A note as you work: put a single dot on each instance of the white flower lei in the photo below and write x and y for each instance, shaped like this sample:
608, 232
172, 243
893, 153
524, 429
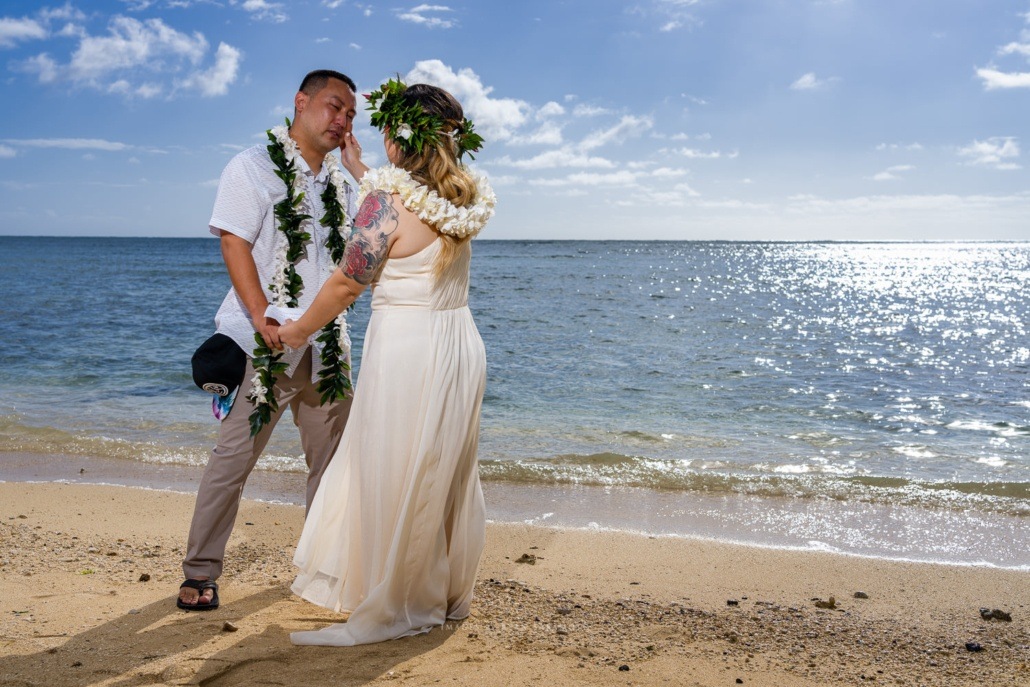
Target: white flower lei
278, 285
440, 213
261, 394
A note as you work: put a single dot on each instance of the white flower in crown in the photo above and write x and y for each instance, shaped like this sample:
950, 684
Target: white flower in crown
404, 131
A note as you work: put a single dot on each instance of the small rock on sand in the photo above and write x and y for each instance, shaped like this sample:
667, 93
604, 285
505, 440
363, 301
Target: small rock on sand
176, 674
995, 614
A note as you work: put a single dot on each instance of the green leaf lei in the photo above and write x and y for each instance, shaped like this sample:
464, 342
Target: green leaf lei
412, 127
334, 383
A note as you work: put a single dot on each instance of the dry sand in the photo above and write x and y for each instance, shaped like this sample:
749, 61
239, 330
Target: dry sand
591, 609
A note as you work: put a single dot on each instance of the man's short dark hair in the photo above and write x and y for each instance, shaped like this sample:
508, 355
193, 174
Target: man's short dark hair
316, 81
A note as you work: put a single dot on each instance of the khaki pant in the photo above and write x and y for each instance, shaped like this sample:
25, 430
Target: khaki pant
218, 497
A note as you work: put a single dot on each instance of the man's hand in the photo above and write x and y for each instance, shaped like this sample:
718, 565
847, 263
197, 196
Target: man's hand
269, 331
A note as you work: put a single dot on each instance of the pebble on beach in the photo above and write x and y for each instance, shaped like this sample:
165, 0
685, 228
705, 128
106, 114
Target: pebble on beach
995, 614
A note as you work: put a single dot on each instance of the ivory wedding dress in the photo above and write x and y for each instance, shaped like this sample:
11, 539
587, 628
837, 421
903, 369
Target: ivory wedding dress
397, 526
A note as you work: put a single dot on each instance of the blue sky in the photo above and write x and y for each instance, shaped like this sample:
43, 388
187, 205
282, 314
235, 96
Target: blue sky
656, 119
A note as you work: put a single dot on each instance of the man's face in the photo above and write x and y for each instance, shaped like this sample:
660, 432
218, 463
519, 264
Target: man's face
326, 116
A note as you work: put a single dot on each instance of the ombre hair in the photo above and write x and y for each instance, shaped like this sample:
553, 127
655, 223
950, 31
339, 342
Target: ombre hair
437, 166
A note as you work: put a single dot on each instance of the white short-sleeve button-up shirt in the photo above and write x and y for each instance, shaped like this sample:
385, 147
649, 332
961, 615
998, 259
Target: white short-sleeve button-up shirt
245, 206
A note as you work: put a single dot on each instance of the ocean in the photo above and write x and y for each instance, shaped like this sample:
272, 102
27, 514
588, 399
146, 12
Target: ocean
862, 398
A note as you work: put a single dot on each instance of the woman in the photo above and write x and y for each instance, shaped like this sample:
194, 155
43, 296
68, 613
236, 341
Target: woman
395, 532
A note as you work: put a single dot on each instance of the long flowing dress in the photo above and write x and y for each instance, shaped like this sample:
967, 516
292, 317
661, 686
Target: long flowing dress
396, 529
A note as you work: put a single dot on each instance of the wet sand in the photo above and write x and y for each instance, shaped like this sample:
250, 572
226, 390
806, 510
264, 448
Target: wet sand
88, 576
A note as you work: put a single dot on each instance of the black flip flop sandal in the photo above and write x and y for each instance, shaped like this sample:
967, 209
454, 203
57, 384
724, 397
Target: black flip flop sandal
200, 586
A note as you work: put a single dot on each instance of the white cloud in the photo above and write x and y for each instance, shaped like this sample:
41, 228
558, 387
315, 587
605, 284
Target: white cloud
421, 15
65, 13
673, 13
496, 118
216, 79
130, 44
68, 143
7, 151
43, 65
355, 46
130, 59
14, 30
148, 90
621, 178
810, 82
557, 158
323, 39
899, 146
549, 133
993, 79
262, 10
550, 109
695, 154
589, 111
628, 126
70, 30
332, 4
887, 204
684, 187
998, 152
891, 173
1015, 49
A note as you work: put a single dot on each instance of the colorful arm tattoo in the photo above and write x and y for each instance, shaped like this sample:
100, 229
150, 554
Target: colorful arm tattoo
369, 242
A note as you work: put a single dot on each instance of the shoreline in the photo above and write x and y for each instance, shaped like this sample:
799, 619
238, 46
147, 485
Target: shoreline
74, 610
864, 530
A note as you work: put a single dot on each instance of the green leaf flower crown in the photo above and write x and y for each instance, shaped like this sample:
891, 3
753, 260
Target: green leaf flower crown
412, 127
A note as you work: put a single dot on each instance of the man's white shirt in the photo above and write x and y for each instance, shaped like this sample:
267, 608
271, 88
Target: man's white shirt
245, 207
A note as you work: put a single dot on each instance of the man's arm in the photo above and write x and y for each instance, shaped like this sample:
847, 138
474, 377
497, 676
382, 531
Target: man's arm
245, 280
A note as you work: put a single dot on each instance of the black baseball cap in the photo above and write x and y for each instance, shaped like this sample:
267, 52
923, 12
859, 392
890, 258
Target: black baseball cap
218, 365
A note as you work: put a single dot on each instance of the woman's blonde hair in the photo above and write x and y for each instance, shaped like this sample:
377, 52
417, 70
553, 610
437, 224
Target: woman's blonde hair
437, 165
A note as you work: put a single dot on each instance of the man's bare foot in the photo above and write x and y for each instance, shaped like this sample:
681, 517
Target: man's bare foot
198, 594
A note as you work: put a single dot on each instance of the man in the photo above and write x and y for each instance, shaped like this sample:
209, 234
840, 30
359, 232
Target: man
245, 220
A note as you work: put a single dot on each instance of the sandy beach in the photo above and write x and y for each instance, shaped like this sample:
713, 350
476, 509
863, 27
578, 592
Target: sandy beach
88, 576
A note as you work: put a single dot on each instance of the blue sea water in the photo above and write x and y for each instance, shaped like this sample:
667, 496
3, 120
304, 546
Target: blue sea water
667, 379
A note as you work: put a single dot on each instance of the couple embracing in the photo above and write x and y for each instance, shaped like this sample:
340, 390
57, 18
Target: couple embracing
395, 520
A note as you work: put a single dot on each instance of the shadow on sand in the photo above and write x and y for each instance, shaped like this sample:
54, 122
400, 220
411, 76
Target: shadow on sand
162, 645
